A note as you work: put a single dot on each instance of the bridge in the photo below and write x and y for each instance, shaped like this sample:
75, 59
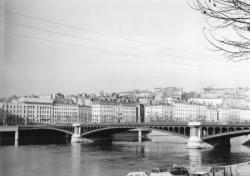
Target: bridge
198, 134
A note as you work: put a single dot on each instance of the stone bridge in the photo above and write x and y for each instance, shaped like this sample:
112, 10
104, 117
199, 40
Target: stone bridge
198, 134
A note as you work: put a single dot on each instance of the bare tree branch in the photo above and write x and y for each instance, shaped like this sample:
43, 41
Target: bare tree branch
225, 17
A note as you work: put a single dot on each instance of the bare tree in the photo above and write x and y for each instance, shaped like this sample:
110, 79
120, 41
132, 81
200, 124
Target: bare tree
228, 26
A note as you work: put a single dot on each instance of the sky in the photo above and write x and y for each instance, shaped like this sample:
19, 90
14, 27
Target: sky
80, 46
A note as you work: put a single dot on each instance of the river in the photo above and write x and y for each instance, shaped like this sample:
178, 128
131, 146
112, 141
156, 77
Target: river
111, 159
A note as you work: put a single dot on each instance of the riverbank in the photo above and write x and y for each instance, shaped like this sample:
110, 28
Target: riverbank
241, 169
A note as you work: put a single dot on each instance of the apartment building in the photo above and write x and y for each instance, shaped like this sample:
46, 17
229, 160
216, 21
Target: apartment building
85, 114
156, 113
112, 112
27, 111
189, 112
226, 114
212, 115
244, 115
128, 113
65, 113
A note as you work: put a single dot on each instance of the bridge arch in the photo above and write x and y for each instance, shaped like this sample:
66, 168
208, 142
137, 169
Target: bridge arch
107, 131
182, 130
104, 131
211, 131
217, 130
228, 135
187, 131
224, 130
238, 129
165, 128
66, 131
171, 129
176, 129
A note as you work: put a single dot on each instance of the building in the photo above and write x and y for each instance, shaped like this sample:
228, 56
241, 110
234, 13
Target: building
128, 113
207, 101
83, 99
140, 113
13, 113
158, 113
210, 92
36, 110
43, 111
2, 113
244, 115
211, 115
226, 114
27, 111
145, 101
85, 114
189, 112
65, 113
237, 103
113, 112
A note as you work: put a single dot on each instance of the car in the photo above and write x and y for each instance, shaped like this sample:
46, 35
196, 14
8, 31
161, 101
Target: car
160, 172
180, 171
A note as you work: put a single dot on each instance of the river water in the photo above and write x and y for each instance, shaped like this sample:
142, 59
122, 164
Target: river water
111, 159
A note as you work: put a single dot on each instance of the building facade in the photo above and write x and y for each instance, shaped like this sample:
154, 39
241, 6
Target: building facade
112, 112
211, 115
27, 111
65, 113
226, 114
189, 112
128, 113
1, 113
158, 113
35, 111
244, 115
85, 114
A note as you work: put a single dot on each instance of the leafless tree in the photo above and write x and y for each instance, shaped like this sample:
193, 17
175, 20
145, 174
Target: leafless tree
228, 27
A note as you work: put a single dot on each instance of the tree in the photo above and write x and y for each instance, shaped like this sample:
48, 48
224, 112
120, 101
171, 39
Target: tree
228, 26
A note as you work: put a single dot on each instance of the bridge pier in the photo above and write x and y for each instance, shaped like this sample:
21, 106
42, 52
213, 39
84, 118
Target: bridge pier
16, 137
139, 135
195, 140
76, 137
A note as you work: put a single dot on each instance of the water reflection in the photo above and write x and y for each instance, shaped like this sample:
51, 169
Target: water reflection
195, 157
76, 158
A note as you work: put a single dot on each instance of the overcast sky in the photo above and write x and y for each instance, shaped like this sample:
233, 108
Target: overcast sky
79, 46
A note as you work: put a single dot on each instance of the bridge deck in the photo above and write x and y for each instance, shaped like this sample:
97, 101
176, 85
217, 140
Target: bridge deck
8, 128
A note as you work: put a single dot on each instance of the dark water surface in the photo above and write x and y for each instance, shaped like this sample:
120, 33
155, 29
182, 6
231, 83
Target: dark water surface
110, 159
